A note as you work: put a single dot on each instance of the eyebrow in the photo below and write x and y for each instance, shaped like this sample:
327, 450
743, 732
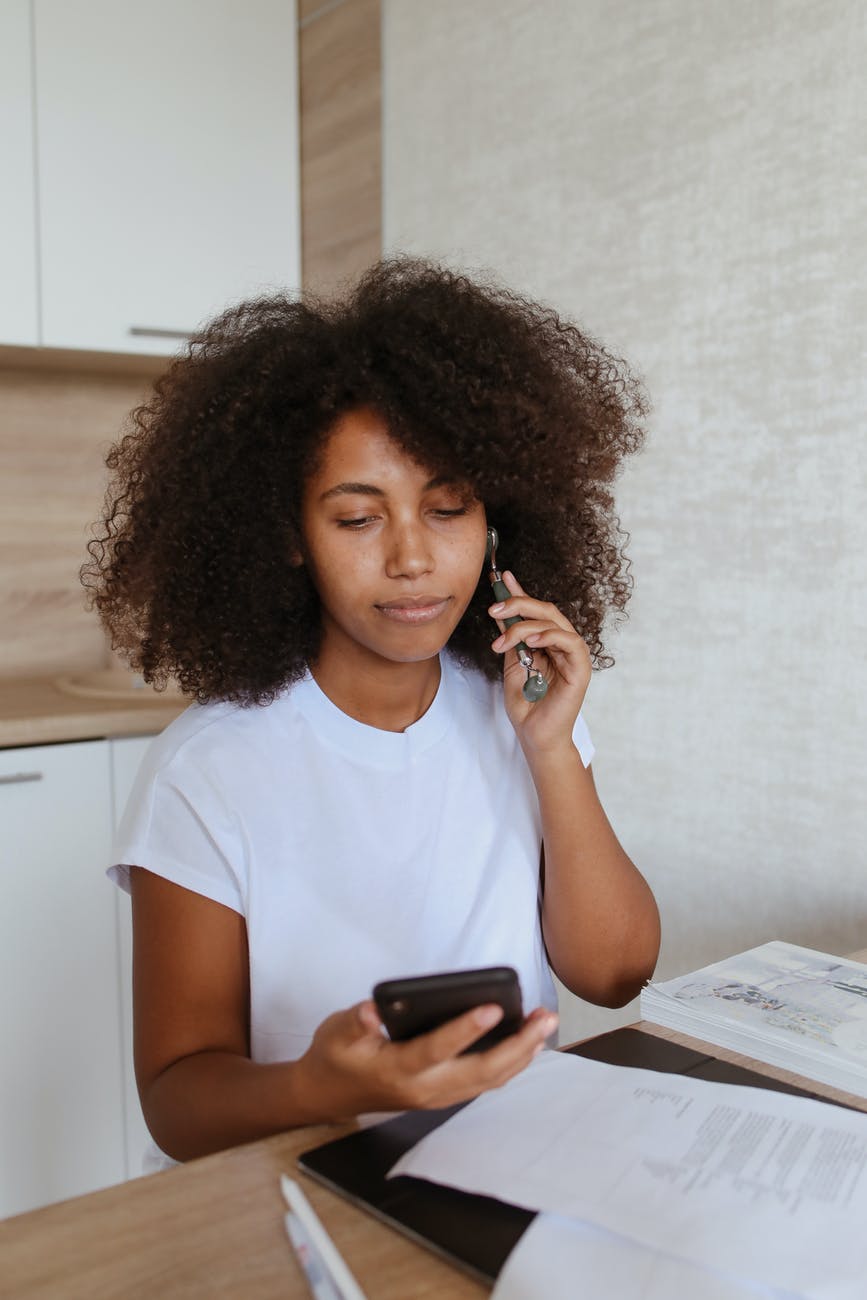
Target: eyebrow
370, 490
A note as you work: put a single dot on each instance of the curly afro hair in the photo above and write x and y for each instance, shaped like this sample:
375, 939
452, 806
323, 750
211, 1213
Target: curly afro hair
190, 565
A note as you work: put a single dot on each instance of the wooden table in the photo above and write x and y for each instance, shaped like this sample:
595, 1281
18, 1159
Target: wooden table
214, 1228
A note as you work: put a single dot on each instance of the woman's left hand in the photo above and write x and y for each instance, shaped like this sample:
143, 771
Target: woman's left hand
559, 654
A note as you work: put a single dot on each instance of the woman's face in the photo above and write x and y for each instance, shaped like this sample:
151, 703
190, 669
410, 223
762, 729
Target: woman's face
395, 555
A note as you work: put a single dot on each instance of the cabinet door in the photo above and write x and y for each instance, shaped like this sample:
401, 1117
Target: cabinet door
168, 164
126, 757
61, 1113
18, 299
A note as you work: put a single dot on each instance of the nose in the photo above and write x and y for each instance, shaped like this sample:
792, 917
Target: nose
409, 553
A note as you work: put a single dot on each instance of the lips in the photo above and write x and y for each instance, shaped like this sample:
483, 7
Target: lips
414, 609
413, 602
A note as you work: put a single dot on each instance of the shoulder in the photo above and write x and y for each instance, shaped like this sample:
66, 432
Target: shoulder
476, 700
194, 731
205, 736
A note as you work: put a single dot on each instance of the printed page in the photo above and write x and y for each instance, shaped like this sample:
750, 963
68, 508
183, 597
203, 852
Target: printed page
562, 1258
811, 999
743, 1181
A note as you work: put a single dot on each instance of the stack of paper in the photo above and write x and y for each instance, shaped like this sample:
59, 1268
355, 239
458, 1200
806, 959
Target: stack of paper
712, 1189
791, 1007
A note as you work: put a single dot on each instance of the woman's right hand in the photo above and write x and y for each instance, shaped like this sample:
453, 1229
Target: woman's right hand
351, 1067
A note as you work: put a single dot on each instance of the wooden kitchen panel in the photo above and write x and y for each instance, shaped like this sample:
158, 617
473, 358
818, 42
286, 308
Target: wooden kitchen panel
341, 141
81, 362
55, 429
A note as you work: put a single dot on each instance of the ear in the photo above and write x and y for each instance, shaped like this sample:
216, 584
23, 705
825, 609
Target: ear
295, 545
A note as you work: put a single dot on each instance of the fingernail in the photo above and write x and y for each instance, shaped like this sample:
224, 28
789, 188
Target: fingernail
369, 1016
532, 638
548, 1024
497, 609
487, 1017
495, 645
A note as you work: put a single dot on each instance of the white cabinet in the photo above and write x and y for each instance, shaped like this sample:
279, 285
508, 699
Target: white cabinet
61, 1074
70, 1120
126, 757
166, 155
18, 278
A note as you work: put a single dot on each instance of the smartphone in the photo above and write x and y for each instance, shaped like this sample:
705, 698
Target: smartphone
416, 1005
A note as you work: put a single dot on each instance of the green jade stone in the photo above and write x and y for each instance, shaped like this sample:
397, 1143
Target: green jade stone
534, 687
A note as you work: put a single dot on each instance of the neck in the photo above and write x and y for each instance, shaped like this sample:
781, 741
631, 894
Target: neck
378, 692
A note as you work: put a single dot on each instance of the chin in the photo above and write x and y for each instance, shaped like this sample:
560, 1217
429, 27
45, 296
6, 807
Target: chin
415, 657
417, 653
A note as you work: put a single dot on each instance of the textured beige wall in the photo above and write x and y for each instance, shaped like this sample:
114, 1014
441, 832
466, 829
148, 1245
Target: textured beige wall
688, 179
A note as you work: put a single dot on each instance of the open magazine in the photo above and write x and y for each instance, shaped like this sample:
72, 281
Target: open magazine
788, 1006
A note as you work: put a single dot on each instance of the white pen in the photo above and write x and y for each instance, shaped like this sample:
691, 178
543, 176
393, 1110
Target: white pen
344, 1284
318, 1277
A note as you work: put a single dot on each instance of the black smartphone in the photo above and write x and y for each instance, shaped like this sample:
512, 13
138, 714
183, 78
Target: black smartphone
416, 1005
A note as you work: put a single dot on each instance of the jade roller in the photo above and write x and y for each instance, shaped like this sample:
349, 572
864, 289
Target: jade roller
535, 686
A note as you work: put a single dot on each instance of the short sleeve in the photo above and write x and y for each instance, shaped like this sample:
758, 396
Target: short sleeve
582, 741
177, 828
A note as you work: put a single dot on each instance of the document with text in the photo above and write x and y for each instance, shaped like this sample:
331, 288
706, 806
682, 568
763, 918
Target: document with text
748, 1182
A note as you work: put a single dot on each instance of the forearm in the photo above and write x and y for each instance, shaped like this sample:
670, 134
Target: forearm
599, 918
213, 1100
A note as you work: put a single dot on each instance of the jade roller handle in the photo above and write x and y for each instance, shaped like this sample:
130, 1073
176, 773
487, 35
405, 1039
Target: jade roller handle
535, 686
501, 591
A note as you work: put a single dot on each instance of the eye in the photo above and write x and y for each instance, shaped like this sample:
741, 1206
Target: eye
356, 523
449, 514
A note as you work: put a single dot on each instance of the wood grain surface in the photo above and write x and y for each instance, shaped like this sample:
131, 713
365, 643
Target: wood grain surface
341, 141
211, 1228
35, 711
55, 428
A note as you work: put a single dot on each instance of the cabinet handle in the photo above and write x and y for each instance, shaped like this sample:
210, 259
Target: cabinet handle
146, 332
18, 778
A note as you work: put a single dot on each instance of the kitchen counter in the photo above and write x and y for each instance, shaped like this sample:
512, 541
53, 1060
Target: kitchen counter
39, 711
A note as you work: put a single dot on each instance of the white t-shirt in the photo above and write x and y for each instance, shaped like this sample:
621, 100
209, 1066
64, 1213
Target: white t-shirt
354, 854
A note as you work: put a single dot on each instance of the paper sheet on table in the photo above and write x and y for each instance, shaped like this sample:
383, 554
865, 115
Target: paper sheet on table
562, 1258
745, 1181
